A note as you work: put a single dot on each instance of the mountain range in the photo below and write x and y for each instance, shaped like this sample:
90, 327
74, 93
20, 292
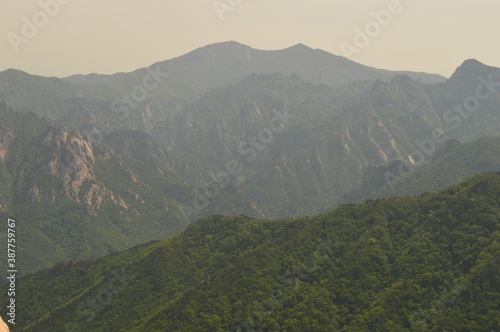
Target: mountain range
93, 164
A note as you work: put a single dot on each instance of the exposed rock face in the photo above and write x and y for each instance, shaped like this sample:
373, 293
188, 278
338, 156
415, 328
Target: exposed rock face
6, 137
71, 159
81, 197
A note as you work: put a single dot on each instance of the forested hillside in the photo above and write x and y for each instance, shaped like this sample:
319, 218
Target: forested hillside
75, 199
451, 164
428, 263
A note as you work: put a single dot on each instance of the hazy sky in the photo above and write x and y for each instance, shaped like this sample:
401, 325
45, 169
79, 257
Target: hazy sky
108, 36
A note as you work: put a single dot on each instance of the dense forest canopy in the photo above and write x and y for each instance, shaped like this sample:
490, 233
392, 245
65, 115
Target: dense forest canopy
427, 263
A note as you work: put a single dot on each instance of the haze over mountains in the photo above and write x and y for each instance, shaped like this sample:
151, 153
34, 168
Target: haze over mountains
222, 64
111, 161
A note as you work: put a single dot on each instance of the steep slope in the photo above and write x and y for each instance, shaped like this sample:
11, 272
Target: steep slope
412, 264
301, 146
305, 165
74, 199
455, 163
469, 102
468, 107
211, 113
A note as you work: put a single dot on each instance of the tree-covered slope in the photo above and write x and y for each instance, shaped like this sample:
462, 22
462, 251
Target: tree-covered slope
75, 199
428, 263
451, 164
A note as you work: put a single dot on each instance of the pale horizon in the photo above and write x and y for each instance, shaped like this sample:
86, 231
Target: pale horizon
76, 37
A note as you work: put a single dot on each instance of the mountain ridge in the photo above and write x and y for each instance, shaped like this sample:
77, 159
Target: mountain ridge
77, 199
235, 47
301, 168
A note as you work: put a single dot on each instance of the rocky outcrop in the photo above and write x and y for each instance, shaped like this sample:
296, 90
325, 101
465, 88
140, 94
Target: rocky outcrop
6, 138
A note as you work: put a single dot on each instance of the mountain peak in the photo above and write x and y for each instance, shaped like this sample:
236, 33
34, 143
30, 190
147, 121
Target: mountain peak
13, 71
402, 79
226, 45
300, 45
471, 63
298, 48
470, 67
